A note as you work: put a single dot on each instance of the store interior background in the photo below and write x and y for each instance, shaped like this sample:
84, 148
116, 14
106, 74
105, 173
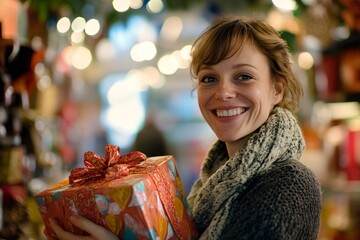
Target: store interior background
77, 75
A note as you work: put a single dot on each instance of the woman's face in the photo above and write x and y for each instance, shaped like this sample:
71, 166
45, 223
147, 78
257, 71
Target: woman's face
237, 95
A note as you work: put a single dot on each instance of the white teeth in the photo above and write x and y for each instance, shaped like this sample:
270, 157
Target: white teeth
230, 112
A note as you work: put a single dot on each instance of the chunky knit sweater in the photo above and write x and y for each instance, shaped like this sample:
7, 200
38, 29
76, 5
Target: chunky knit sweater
262, 192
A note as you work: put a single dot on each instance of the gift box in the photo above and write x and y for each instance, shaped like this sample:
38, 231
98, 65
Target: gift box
133, 196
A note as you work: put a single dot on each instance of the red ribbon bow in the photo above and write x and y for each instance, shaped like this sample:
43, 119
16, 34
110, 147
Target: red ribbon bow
111, 167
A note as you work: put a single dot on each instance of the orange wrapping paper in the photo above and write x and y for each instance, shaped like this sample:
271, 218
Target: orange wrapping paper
131, 206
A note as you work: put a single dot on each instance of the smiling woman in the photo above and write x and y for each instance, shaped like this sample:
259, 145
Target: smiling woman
251, 184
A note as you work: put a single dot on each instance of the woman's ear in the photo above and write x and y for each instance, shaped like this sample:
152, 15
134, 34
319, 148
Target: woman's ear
278, 91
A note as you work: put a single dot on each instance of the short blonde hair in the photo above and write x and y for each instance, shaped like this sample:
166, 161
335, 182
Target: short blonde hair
226, 35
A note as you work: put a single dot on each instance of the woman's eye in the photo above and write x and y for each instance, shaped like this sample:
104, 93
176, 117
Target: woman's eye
244, 77
208, 80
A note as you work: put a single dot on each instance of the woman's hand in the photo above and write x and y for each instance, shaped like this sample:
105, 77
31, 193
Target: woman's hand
96, 232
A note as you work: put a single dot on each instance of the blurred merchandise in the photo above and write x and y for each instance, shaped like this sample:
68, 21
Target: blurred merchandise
1, 210
341, 211
20, 145
11, 164
351, 154
15, 216
341, 63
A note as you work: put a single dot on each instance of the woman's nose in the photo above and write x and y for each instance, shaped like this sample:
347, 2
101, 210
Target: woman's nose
225, 90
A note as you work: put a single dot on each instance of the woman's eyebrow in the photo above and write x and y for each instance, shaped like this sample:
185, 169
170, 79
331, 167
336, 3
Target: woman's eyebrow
239, 65
205, 67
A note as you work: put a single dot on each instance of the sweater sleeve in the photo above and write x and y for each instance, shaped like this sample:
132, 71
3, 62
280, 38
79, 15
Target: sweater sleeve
284, 203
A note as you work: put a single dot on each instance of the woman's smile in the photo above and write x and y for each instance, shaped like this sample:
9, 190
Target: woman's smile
223, 113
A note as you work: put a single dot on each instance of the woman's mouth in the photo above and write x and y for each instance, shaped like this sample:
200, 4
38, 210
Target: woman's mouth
229, 112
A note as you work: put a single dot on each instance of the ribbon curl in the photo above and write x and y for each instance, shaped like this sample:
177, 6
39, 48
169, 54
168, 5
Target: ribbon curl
111, 167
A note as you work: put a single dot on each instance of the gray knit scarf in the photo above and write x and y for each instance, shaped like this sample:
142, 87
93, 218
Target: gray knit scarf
278, 139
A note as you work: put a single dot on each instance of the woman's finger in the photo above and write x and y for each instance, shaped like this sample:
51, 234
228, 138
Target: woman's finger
96, 231
64, 235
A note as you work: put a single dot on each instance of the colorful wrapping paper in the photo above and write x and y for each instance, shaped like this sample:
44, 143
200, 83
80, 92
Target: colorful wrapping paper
145, 202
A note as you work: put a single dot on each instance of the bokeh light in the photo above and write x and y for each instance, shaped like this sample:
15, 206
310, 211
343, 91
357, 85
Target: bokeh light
63, 25
78, 24
143, 51
305, 60
155, 6
285, 5
121, 5
136, 4
168, 64
105, 50
77, 37
81, 58
171, 28
92, 27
